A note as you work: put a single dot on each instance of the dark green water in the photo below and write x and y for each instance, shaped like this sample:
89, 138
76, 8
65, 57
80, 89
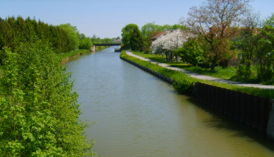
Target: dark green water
134, 114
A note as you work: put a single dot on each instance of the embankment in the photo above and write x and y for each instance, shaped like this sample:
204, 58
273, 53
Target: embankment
67, 57
247, 106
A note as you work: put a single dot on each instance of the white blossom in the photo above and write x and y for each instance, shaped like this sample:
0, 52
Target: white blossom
170, 40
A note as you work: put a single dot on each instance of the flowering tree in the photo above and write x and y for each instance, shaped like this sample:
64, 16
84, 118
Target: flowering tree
170, 41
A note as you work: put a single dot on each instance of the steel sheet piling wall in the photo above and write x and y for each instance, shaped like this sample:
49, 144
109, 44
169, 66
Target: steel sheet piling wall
247, 109
252, 111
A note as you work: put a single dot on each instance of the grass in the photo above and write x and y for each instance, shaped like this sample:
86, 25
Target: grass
66, 57
228, 73
183, 81
73, 53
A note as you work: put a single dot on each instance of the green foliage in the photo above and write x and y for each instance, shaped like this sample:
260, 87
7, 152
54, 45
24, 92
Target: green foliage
183, 85
14, 31
132, 38
39, 112
192, 52
270, 21
73, 37
183, 82
265, 53
85, 42
151, 29
247, 44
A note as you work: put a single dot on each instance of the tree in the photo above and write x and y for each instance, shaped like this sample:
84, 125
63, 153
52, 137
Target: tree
132, 38
270, 21
72, 35
85, 42
216, 21
170, 41
265, 51
247, 44
14, 31
151, 29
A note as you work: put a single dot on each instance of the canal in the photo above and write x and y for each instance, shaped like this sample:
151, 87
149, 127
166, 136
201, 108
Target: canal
133, 114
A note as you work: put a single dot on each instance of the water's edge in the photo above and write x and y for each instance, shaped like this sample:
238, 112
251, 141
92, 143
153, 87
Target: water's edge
263, 126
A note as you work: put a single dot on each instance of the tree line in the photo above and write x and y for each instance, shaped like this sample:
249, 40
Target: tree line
224, 33
140, 40
62, 38
39, 113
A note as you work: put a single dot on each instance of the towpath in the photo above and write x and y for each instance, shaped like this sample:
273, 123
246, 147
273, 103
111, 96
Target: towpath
201, 77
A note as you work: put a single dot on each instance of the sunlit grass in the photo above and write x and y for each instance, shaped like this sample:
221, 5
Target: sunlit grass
180, 77
73, 53
227, 73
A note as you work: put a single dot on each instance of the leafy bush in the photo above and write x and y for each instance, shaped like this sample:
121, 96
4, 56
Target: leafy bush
85, 42
192, 52
39, 112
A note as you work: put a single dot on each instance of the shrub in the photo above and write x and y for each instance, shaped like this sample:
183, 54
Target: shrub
192, 52
39, 112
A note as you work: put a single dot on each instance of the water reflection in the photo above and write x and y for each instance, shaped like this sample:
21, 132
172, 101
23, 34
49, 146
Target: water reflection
138, 115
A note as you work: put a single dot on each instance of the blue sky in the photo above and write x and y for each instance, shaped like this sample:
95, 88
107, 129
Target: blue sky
105, 18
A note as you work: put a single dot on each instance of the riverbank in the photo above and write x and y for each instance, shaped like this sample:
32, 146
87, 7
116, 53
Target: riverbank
245, 105
228, 74
67, 57
182, 81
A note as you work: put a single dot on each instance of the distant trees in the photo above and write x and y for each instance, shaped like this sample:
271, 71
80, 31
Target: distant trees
85, 42
151, 29
132, 38
63, 38
14, 31
73, 36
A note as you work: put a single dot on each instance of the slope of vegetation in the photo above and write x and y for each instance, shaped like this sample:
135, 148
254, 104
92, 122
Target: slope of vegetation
38, 108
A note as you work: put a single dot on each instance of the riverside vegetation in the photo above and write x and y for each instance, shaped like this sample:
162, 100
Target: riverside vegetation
184, 83
38, 109
232, 44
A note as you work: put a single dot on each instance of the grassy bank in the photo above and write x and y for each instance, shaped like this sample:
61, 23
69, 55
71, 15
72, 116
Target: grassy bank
228, 73
183, 82
66, 57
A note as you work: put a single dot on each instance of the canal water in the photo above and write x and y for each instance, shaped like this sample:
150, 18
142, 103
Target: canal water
133, 114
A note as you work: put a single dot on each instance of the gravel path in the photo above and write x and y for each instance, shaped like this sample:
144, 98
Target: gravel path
202, 77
